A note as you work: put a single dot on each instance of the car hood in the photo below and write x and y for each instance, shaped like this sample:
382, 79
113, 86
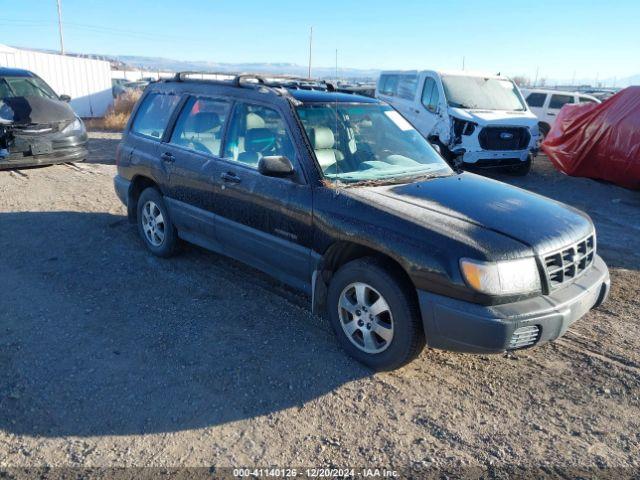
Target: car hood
34, 110
495, 117
536, 221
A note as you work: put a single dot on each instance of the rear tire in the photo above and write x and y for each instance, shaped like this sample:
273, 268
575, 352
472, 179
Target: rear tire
380, 326
154, 224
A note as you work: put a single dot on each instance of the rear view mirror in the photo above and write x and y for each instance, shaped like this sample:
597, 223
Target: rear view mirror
437, 148
275, 166
65, 98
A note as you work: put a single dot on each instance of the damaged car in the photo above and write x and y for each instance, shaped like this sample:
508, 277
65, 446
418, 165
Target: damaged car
339, 196
474, 119
37, 127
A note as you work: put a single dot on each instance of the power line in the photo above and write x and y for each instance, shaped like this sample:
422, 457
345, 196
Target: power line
97, 29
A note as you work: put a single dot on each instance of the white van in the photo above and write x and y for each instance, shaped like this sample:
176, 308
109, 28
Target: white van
546, 104
474, 118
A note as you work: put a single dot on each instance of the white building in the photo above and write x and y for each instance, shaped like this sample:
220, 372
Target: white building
86, 81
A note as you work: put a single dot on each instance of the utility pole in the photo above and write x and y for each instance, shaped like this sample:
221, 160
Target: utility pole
535, 81
310, 45
463, 62
60, 27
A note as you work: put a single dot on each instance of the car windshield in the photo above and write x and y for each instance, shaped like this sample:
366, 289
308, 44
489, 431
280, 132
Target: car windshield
482, 93
25, 87
367, 142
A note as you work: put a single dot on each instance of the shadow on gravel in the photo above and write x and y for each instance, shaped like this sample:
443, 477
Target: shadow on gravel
97, 337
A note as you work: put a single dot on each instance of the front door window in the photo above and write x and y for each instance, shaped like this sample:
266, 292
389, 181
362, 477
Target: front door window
255, 132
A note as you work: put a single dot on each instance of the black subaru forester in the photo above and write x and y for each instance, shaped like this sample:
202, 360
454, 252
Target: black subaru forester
339, 196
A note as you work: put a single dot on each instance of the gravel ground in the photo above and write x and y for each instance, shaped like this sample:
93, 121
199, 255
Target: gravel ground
112, 357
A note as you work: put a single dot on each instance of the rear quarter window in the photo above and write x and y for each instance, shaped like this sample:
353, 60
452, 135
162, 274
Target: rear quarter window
536, 99
389, 84
153, 115
558, 101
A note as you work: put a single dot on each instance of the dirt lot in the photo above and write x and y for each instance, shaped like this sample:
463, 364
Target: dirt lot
111, 357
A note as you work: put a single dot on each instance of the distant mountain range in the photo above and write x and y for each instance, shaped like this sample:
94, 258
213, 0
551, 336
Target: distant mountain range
167, 64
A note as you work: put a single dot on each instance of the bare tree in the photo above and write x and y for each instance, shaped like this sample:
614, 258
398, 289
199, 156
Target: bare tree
521, 80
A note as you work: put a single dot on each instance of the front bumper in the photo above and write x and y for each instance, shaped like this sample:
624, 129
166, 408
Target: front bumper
68, 149
452, 324
490, 158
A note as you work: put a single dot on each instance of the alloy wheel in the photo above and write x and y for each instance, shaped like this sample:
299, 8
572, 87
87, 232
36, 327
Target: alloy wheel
153, 223
365, 317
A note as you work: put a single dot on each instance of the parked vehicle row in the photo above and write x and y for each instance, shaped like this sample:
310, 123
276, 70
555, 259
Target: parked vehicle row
340, 196
546, 105
345, 198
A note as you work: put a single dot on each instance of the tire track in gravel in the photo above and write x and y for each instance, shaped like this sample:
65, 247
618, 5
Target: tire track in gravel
611, 359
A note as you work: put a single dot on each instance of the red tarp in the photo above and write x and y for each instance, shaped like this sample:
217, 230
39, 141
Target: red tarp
599, 140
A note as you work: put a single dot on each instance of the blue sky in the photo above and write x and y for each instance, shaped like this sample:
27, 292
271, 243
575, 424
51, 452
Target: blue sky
562, 38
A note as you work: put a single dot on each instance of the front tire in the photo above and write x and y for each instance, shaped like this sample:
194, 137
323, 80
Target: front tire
154, 224
374, 314
543, 129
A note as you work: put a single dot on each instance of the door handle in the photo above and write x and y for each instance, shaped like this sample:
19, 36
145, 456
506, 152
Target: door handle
230, 177
417, 111
551, 114
168, 157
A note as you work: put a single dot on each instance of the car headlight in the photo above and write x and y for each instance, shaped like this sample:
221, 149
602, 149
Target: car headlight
76, 126
501, 278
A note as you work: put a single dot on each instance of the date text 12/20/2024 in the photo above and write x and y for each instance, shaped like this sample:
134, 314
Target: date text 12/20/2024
314, 473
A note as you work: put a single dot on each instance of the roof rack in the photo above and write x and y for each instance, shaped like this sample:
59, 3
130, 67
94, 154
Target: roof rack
253, 80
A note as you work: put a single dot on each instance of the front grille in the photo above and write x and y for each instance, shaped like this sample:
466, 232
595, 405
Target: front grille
524, 337
504, 138
566, 264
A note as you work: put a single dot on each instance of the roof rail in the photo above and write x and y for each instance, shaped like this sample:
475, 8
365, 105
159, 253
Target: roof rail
255, 80
184, 76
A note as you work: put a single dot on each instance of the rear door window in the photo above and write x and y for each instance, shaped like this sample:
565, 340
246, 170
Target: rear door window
536, 99
200, 124
407, 86
430, 94
153, 115
558, 101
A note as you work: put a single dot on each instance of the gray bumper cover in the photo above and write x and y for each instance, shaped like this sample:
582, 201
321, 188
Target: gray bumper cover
452, 324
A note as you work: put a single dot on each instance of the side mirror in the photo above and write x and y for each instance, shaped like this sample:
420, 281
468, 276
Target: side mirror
65, 98
275, 166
